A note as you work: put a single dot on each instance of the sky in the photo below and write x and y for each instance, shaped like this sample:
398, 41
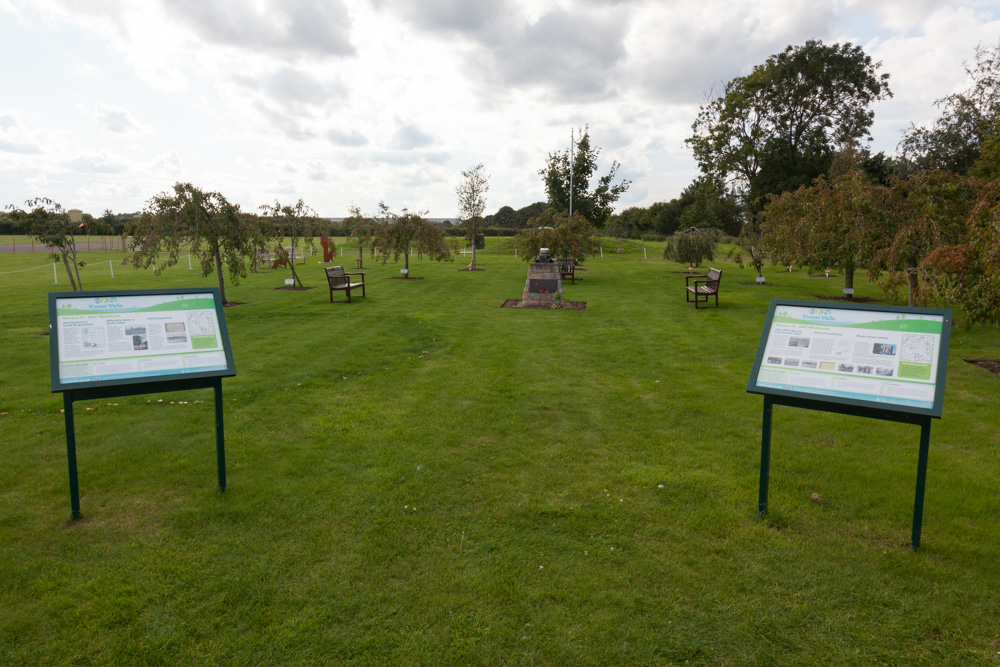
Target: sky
106, 103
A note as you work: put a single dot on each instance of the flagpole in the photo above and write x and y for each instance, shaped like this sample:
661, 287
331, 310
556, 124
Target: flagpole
571, 141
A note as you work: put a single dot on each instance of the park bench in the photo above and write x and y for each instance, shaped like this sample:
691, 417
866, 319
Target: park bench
704, 286
567, 268
340, 280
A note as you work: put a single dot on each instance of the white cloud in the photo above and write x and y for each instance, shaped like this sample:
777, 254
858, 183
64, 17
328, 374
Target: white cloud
38, 182
14, 138
316, 171
282, 187
408, 136
116, 120
101, 162
392, 98
170, 164
352, 138
86, 69
288, 28
899, 16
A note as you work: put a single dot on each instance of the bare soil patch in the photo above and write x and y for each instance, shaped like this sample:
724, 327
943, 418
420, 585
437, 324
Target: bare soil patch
402, 278
992, 365
857, 299
570, 305
293, 288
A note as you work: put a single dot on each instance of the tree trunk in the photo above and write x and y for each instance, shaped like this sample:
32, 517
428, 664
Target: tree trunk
69, 272
361, 255
911, 281
406, 262
291, 265
218, 272
474, 239
849, 282
76, 268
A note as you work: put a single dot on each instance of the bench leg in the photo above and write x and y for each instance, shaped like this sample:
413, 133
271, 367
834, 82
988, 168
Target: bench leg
348, 290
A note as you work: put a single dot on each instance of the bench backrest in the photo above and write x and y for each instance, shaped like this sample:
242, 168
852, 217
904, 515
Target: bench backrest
335, 276
566, 264
713, 278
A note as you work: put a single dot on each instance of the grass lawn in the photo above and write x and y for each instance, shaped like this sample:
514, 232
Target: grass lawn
425, 477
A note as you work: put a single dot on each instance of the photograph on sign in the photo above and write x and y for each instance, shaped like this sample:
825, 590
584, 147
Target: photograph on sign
885, 356
117, 337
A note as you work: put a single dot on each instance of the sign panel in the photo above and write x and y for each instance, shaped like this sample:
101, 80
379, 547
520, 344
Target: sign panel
874, 356
108, 338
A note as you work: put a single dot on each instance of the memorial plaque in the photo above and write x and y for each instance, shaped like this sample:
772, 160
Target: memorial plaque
538, 286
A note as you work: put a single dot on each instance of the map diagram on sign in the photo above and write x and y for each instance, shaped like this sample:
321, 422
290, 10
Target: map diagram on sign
917, 349
201, 324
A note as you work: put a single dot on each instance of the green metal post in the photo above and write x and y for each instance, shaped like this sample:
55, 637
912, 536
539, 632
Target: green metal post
918, 503
74, 490
220, 438
765, 456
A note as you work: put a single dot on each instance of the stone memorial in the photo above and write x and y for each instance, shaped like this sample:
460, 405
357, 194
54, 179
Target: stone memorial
543, 283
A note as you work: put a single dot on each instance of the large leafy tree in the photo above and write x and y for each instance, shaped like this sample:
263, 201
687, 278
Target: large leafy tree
777, 127
297, 222
710, 206
927, 211
967, 127
190, 219
471, 193
968, 273
504, 217
564, 236
829, 223
405, 230
47, 222
597, 204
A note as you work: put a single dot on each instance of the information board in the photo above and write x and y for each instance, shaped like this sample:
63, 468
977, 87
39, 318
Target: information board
130, 337
871, 356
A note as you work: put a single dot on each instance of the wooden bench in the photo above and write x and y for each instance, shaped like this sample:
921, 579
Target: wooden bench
704, 286
567, 268
340, 280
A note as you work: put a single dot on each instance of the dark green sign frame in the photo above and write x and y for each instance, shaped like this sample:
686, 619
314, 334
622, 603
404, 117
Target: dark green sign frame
831, 322
123, 305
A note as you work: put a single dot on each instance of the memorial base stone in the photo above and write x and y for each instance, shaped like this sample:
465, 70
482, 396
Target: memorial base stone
543, 283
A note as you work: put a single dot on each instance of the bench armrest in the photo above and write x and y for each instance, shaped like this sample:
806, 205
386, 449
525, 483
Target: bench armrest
687, 278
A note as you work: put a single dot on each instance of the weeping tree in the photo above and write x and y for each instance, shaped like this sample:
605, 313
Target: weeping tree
47, 222
189, 219
692, 246
402, 231
298, 223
